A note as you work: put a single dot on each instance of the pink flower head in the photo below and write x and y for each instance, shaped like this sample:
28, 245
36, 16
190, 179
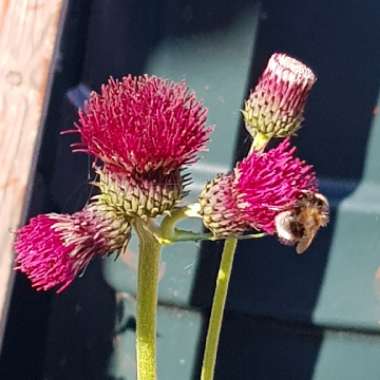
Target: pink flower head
143, 124
275, 107
268, 183
260, 187
54, 248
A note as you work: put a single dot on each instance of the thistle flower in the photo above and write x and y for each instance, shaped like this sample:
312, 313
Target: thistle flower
144, 196
276, 105
143, 124
54, 248
260, 186
271, 182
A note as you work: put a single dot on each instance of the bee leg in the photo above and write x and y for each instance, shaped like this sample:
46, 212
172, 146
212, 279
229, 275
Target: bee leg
305, 241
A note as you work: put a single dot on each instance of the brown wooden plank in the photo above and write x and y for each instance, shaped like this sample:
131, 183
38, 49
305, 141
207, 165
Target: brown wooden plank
28, 32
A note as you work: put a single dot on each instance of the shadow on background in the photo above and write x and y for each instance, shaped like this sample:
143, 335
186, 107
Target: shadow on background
267, 332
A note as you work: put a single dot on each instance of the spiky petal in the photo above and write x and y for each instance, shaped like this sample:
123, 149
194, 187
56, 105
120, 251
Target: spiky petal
271, 182
52, 249
143, 124
276, 105
260, 186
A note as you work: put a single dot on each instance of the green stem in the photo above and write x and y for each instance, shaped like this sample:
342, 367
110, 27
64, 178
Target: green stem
260, 142
184, 235
147, 294
217, 311
167, 228
167, 233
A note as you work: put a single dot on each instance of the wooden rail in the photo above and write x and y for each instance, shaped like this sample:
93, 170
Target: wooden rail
28, 33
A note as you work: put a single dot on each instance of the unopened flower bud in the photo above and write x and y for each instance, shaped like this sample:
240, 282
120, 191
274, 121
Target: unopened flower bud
276, 105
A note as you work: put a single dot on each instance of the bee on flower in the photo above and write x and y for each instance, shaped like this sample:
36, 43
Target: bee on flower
274, 192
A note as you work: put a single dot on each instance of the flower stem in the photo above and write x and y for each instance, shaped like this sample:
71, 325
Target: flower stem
217, 311
260, 142
167, 227
184, 235
147, 294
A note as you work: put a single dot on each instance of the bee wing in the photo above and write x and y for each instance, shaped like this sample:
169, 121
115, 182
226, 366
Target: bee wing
304, 243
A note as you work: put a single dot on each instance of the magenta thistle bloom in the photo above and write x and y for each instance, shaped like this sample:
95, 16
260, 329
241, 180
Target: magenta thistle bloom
276, 105
143, 124
271, 182
53, 248
260, 186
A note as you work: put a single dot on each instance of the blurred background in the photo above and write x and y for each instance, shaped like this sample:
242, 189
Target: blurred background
292, 317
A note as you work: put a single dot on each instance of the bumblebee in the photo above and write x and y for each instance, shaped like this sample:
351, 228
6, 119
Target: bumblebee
299, 225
